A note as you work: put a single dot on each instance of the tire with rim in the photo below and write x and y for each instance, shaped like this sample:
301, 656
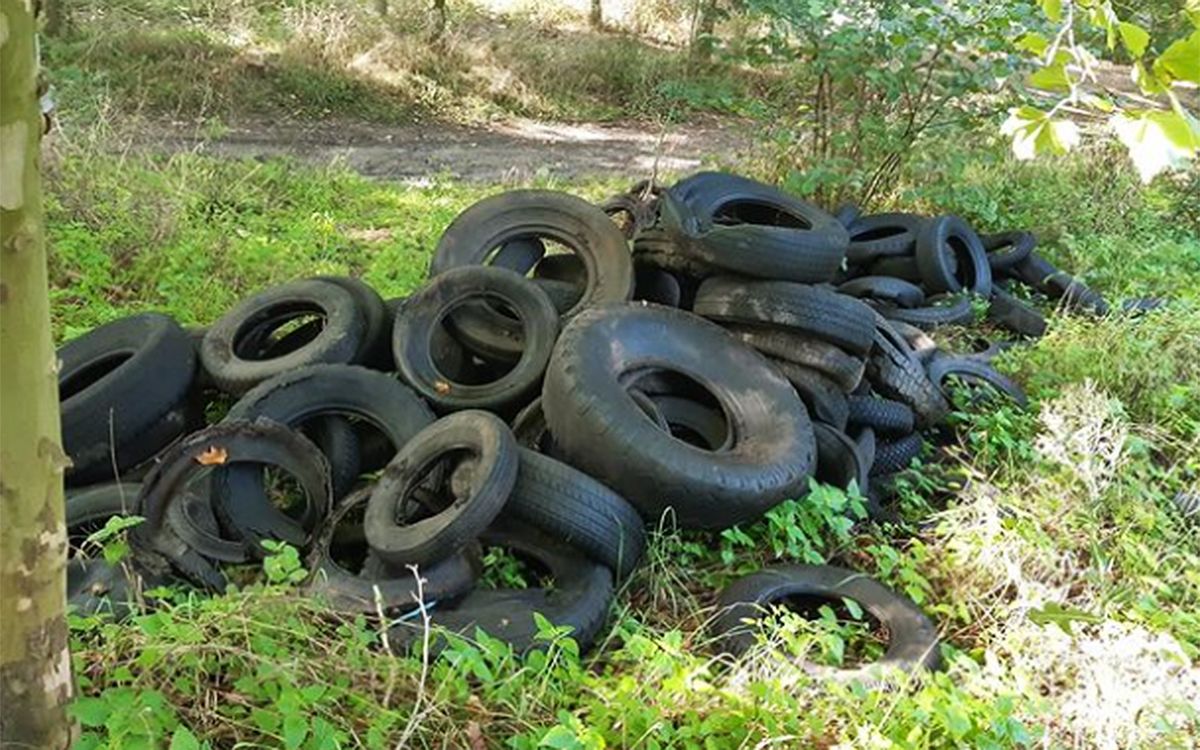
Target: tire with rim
232, 343
913, 639
602, 430
121, 388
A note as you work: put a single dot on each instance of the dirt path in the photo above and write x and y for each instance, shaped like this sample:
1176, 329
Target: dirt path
511, 151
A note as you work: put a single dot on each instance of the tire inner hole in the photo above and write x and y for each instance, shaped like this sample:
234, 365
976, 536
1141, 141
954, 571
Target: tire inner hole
757, 212
280, 331
878, 233
692, 413
961, 266
863, 638
463, 358
91, 374
506, 568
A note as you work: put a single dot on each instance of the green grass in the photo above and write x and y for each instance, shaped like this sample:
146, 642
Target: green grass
1065, 506
199, 61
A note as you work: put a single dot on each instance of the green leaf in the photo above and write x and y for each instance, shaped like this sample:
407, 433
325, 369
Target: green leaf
1056, 614
91, 712
1181, 61
295, 729
1147, 80
1033, 42
560, 738
1053, 9
113, 526
1051, 78
183, 739
1134, 37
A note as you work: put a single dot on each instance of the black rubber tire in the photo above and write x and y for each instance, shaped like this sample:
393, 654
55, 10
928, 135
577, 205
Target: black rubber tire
519, 256
975, 371
573, 507
654, 247
826, 402
913, 643
900, 267
1010, 313
159, 549
339, 341
1007, 249
846, 214
328, 393
494, 462
603, 431
579, 597
563, 295
563, 267
830, 360
896, 455
839, 460
786, 238
93, 585
867, 442
946, 236
572, 221
117, 385
351, 591
957, 312
376, 348
421, 317
883, 236
884, 416
822, 313
657, 286
887, 289
895, 371
530, 430
920, 342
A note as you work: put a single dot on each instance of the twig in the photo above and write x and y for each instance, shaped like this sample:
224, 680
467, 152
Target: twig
415, 717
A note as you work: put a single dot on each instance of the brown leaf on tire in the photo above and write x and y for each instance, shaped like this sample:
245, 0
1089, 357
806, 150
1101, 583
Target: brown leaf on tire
213, 456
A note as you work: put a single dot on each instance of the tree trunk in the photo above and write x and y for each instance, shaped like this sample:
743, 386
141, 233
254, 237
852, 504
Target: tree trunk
706, 24
596, 18
35, 665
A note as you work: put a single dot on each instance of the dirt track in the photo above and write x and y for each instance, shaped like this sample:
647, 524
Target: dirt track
511, 151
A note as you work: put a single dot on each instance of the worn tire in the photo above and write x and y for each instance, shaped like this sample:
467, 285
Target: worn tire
738, 225
896, 455
818, 312
412, 341
895, 371
884, 416
121, 390
893, 291
830, 360
582, 512
882, 236
913, 643
494, 464
948, 236
234, 336
826, 402
603, 431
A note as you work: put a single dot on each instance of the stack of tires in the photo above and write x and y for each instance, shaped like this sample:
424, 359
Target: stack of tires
568, 374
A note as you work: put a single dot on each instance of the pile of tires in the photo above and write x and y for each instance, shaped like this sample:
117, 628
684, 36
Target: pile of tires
569, 374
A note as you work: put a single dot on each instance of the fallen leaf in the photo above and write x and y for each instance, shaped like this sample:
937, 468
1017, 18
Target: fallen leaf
213, 456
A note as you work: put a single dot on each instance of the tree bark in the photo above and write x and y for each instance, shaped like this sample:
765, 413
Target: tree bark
35, 665
596, 18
